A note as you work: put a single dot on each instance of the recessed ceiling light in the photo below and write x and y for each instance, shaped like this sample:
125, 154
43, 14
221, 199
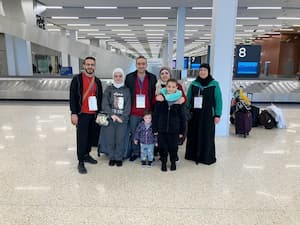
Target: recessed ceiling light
128, 37
286, 29
65, 17
198, 18
288, 18
269, 25
116, 25
78, 25
154, 18
154, 30
92, 34
110, 18
259, 7
53, 7
191, 30
124, 34
154, 7
202, 7
239, 25
121, 30
100, 7
154, 25
88, 29
194, 25
102, 37
155, 34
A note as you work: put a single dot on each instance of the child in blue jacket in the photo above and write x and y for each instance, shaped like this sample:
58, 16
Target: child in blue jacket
146, 138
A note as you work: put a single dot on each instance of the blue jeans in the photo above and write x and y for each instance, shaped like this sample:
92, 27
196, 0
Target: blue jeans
147, 150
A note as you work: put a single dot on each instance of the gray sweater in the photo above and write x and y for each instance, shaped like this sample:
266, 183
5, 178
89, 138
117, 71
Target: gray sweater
117, 101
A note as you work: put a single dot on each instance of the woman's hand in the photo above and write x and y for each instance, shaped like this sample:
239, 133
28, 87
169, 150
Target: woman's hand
114, 118
159, 98
217, 120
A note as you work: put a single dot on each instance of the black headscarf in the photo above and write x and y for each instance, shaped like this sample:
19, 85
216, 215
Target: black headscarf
209, 78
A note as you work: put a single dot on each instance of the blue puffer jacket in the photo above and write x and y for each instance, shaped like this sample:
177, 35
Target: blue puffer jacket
144, 135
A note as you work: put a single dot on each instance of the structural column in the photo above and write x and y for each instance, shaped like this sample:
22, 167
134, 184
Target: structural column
64, 55
222, 54
74, 61
180, 38
18, 54
170, 47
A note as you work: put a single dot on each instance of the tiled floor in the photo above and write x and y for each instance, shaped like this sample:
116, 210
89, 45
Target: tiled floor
255, 180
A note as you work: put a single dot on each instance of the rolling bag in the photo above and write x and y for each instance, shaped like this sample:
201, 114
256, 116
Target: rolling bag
243, 123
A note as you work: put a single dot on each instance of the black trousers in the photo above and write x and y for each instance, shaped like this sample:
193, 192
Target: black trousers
86, 129
168, 144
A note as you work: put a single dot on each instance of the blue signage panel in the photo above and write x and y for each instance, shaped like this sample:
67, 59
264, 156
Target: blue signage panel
66, 71
247, 60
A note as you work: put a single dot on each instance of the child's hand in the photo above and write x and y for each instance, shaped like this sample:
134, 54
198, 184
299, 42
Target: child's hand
136, 142
180, 135
159, 98
180, 101
156, 133
114, 118
156, 145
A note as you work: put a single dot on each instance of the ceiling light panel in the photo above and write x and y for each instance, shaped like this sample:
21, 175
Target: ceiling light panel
154, 7
100, 7
110, 18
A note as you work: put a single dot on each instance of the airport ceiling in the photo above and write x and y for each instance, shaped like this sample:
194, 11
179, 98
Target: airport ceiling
121, 24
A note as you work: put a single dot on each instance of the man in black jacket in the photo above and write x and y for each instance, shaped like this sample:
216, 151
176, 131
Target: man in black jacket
141, 84
85, 103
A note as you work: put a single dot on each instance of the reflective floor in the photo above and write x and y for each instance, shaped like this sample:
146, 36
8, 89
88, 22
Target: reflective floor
255, 180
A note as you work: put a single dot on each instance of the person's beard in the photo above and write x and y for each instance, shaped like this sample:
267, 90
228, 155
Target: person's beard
90, 72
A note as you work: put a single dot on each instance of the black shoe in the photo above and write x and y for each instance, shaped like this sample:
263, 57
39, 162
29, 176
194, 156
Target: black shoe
173, 166
119, 163
89, 159
149, 163
164, 167
81, 168
133, 158
111, 162
143, 162
98, 154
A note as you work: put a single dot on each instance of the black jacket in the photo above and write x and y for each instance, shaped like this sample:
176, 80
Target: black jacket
76, 89
130, 83
169, 119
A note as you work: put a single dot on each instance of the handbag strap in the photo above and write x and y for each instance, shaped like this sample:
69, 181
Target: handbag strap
88, 89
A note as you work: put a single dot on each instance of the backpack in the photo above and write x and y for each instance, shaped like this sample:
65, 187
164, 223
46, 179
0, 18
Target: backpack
267, 120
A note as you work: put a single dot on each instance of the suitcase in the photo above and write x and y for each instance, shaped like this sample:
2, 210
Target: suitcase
267, 120
255, 114
243, 123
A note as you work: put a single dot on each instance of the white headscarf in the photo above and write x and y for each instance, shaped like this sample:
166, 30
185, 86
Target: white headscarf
118, 70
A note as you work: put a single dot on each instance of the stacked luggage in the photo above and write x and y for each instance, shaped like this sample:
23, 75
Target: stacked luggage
244, 115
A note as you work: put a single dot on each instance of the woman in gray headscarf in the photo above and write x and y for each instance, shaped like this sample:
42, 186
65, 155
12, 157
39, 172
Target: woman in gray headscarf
116, 102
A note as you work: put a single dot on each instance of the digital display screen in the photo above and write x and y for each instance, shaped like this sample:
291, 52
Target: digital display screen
195, 66
247, 68
185, 62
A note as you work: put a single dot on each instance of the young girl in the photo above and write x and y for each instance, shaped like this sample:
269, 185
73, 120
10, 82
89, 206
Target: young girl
146, 138
116, 102
169, 123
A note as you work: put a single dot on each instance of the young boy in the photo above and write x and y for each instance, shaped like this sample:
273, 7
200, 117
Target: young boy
169, 124
145, 136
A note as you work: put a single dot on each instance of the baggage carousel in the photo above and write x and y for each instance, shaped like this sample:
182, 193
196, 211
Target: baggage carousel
57, 88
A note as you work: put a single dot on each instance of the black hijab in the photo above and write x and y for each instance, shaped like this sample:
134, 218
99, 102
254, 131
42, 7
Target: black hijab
209, 78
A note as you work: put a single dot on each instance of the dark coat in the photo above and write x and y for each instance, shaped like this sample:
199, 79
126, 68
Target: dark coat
200, 145
76, 89
130, 81
169, 119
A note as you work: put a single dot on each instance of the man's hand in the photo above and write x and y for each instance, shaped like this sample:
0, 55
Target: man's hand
136, 142
180, 135
74, 119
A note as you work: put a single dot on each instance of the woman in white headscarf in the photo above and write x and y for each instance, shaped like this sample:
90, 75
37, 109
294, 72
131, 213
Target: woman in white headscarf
116, 102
